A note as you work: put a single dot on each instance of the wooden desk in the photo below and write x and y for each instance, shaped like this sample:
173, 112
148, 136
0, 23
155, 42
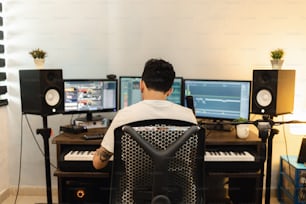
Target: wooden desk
243, 186
244, 180
76, 185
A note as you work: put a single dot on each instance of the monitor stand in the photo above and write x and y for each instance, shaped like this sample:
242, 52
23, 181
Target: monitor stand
90, 121
89, 118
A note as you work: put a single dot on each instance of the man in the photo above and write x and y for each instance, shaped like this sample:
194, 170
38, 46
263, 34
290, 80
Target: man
155, 87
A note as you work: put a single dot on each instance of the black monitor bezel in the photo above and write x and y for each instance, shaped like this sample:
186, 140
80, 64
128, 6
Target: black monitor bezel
182, 89
139, 77
120, 87
91, 111
221, 80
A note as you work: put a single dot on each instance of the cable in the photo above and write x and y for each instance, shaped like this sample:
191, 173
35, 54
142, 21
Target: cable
301, 193
35, 139
20, 159
286, 149
28, 123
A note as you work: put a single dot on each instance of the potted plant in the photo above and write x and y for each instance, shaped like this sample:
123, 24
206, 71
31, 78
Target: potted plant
39, 57
241, 120
242, 127
277, 58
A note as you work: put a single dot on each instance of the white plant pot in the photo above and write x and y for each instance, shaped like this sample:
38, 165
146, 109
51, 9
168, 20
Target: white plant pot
39, 62
242, 131
277, 63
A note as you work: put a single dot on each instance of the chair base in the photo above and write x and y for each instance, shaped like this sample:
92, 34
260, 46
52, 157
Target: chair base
144, 195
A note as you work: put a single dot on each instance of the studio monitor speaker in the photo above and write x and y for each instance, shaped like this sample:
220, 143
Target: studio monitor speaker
42, 91
273, 92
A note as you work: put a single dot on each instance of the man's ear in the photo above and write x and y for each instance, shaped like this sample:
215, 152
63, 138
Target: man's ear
141, 85
169, 92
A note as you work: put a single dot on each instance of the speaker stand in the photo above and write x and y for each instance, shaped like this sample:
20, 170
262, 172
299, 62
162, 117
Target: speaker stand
266, 133
45, 132
269, 165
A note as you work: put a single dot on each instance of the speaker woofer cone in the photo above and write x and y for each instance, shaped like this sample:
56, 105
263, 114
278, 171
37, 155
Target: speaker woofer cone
264, 97
52, 97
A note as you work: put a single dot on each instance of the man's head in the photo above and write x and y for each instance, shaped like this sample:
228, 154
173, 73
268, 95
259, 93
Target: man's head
158, 75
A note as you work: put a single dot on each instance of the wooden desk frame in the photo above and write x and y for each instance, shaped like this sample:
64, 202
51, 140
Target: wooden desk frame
65, 141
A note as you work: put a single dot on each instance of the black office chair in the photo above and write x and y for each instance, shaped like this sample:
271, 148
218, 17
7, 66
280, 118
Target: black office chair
158, 161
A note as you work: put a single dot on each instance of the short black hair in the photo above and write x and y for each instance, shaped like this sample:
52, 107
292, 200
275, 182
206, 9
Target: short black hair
158, 75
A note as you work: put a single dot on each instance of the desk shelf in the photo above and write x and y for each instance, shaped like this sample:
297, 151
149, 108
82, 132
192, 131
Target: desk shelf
79, 182
241, 182
66, 174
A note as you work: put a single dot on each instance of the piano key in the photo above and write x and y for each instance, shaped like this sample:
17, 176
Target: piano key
79, 156
228, 156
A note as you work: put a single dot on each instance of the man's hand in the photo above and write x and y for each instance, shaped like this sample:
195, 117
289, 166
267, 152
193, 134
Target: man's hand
101, 158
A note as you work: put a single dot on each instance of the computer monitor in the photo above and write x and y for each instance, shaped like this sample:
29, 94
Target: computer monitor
90, 96
129, 91
219, 99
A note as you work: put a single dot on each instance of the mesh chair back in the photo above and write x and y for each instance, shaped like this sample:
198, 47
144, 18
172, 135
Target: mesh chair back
133, 169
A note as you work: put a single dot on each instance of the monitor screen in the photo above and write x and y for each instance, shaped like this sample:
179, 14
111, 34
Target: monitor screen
219, 99
129, 91
90, 95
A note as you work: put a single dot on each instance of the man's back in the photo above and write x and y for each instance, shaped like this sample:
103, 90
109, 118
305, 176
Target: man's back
145, 110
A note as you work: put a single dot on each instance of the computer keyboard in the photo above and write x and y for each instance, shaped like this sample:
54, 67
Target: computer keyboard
93, 137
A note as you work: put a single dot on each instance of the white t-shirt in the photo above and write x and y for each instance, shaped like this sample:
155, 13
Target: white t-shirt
146, 110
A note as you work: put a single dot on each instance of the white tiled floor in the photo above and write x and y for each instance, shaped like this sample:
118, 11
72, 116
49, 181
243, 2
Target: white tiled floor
28, 200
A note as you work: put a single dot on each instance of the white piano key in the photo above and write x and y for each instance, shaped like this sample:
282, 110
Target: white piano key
79, 156
228, 156
68, 155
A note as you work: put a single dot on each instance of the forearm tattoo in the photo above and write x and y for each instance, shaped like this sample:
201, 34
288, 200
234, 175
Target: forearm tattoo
104, 155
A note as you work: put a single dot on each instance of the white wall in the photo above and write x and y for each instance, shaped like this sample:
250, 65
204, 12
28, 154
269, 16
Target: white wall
4, 157
224, 39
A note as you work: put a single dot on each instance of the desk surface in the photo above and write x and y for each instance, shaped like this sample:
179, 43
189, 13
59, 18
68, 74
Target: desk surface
65, 138
228, 137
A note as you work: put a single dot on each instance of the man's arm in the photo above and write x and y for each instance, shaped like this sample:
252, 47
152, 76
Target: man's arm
101, 158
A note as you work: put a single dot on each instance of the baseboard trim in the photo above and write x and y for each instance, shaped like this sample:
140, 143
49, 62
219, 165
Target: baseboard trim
26, 190
4, 195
